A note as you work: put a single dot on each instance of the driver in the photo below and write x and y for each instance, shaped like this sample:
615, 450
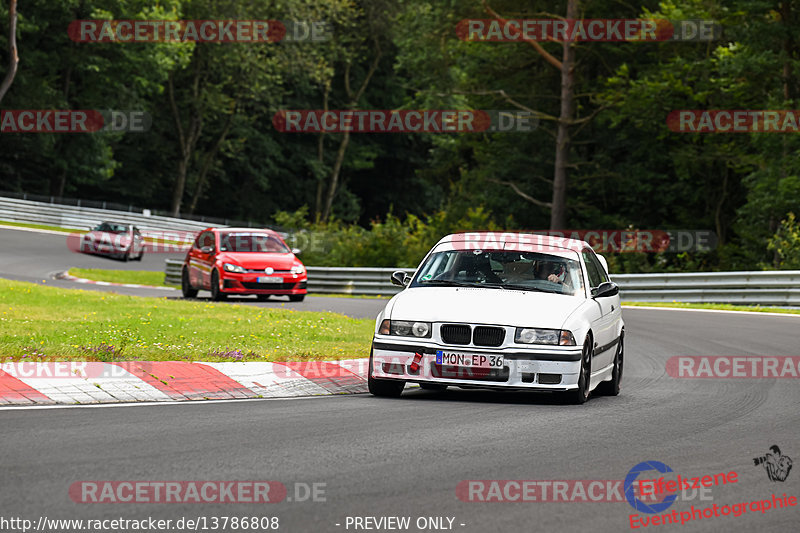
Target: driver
547, 270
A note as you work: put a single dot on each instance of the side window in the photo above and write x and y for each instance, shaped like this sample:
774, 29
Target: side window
591, 269
205, 239
600, 270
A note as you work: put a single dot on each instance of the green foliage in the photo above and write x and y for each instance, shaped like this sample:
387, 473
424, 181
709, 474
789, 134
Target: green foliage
627, 167
388, 243
786, 243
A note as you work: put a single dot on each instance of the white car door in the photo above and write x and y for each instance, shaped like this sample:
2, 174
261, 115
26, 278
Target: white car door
605, 324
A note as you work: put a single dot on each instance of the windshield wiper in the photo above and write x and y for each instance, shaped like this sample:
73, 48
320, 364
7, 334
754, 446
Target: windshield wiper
514, 287
458, 283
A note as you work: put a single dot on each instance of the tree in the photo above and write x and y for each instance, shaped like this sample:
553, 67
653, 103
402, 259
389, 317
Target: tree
13, 55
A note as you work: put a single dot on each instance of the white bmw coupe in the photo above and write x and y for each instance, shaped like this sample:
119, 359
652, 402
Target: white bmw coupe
506, 311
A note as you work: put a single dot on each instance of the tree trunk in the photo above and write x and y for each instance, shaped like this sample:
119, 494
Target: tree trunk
208, 160
558, 214
187, 140
337, 167
353, 98
13, 56
321, 158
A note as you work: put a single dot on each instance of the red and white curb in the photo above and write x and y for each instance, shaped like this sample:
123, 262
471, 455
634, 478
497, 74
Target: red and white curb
69, 277
75, 382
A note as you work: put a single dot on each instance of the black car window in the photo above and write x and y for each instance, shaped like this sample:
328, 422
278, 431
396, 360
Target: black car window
591, 269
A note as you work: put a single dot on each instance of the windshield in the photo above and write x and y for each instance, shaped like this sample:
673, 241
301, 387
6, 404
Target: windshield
251, 242
111, 228
536, 271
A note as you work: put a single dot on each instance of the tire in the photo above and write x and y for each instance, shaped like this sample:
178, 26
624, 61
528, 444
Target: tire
216, 294
611, 388
141, 254
581, 394
383, 388
127, 255
432, 387
186, 285
262, 297
297, 297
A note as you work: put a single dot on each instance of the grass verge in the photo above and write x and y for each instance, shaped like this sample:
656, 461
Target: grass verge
718, 307
41, 226
46, 323
143, 277
138, 277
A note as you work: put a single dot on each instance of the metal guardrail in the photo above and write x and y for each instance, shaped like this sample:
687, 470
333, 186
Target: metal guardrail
74, 217
172, 272
780, 288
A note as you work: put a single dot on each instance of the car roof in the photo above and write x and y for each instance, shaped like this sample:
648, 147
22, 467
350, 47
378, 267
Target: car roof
244, 230
497, 237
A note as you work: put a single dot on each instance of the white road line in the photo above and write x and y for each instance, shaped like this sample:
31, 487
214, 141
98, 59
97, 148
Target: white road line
751, 313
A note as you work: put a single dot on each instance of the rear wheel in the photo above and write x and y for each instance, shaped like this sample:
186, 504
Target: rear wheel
581, 394
611, 388
383, 387
216, 294
186, 285
297, 297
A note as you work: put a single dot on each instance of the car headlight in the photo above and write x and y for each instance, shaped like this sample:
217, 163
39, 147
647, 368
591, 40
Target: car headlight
297, 270
560, 337
405, 328
230, 267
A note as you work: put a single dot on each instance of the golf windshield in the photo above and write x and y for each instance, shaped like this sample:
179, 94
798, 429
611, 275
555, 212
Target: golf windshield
538, 271
251, 242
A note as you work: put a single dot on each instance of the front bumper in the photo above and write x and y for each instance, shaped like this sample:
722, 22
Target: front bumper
233, 283
530, 368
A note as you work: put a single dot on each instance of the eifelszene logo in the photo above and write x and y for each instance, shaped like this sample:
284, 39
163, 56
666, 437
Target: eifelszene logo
777, 465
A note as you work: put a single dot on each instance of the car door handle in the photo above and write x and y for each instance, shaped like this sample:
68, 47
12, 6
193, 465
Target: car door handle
612, 308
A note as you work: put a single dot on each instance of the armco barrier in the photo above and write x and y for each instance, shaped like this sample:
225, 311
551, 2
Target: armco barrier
74, 217
780, 288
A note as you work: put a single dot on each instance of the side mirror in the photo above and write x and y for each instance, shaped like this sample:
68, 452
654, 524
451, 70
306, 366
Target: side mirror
207, 249
609, 288
296, 251
400, 278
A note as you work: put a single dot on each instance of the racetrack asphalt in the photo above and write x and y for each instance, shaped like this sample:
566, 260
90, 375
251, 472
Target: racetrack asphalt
405, 457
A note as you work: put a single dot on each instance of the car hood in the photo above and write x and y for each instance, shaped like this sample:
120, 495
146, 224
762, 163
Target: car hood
106, 236
255, 260
484, 306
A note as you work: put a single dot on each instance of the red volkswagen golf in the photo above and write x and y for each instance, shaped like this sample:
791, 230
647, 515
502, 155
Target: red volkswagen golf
242, 261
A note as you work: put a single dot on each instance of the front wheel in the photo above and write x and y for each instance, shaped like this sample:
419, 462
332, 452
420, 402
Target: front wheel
216, 294
581, 394
384, 388
611, 388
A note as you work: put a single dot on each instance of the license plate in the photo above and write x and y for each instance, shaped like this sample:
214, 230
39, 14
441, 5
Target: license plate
270, 279
470, 360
